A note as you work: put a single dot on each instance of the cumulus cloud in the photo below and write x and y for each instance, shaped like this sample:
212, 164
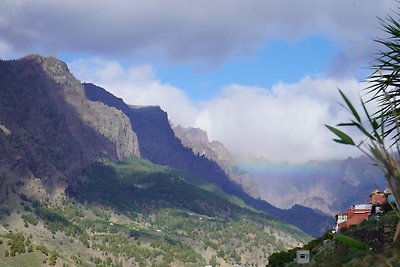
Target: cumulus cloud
137, 85
285, 123
282, 123
202, 30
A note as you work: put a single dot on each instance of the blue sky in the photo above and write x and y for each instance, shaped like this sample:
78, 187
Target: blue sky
277, 61
257, 75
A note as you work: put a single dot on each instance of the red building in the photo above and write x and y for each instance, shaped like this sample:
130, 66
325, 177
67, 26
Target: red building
378, 199
358, 213
355, 215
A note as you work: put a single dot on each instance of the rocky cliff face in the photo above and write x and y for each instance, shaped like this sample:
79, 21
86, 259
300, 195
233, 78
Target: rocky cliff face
197, 140
108, 121
49, 130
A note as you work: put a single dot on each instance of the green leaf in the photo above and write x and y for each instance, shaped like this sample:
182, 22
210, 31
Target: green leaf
351, 107
360, 127
382, 129
375, 125
343, 138
376, 153
351, 242
347, 124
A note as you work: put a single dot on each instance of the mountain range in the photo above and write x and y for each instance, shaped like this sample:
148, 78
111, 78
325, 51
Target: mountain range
89, 180
328, 186
159, 144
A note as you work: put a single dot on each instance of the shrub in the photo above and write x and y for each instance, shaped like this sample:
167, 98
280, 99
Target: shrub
29, 218
17, 243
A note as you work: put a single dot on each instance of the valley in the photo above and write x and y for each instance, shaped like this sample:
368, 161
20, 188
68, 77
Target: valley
86, 184
202, 134
159, 144
325, 186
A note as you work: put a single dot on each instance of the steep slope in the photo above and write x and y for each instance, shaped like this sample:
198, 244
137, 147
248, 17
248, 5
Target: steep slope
50, 131
159, 144
197, 140
136, 213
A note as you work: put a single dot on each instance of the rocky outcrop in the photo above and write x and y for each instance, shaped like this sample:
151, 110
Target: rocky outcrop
197, 140
108, 121
49, 129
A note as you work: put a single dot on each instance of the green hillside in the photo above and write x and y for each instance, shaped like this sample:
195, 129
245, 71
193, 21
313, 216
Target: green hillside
136, 213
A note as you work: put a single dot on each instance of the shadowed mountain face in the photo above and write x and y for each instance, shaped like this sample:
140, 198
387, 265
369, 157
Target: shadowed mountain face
159, 144
49, 130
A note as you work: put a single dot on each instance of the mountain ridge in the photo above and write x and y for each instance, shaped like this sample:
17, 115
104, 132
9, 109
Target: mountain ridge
50, 130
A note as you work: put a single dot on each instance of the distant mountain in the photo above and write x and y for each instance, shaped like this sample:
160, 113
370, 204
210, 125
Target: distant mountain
330, 186
325, 186
159, 144
49, 130
197, 140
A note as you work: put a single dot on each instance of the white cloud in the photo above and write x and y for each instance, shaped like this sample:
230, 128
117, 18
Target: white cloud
202, 30
5, 50
137, 85
284, 123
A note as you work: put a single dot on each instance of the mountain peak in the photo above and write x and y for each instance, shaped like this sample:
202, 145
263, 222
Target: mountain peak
192, 134
48, 63
55, 68
43, 105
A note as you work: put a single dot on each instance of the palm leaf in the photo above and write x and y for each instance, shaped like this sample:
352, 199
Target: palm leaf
343, 137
